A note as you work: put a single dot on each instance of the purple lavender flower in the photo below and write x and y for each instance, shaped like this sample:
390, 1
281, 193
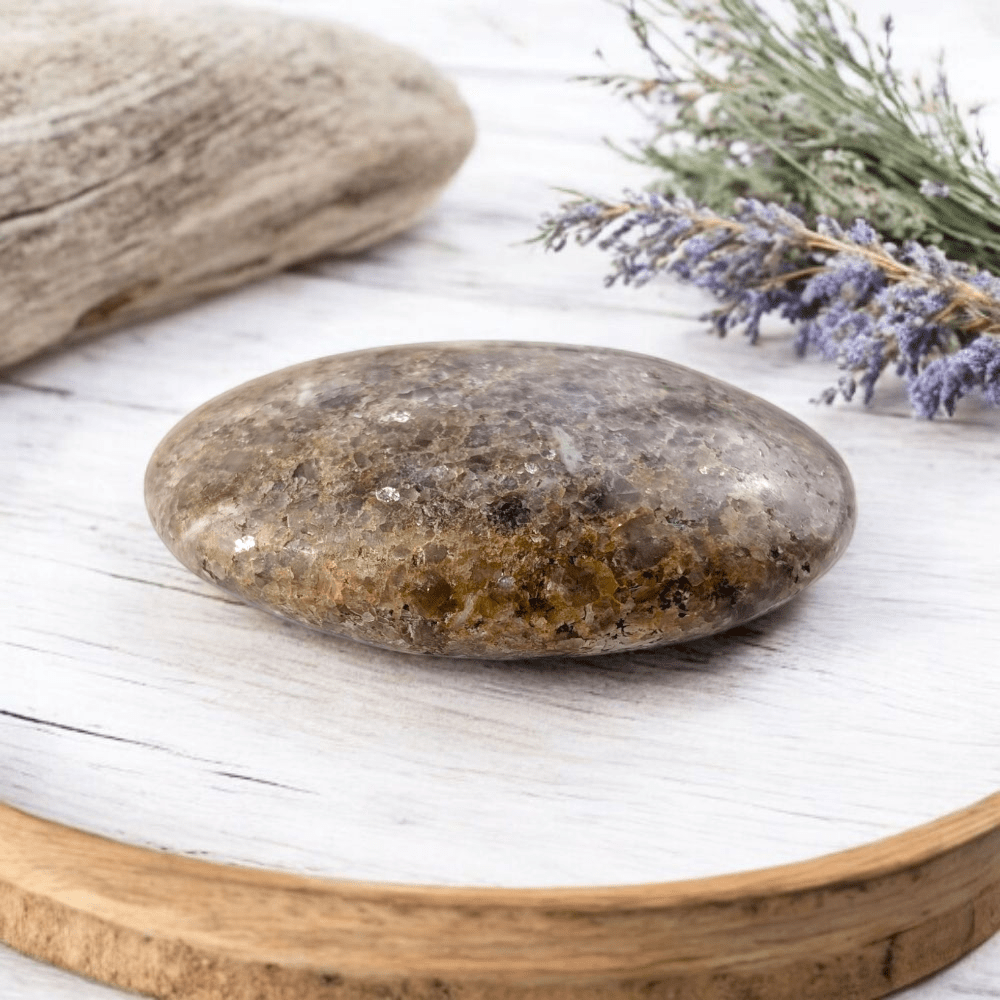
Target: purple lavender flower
864, 303
945, 380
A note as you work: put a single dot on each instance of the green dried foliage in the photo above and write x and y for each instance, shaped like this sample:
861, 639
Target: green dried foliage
812, 116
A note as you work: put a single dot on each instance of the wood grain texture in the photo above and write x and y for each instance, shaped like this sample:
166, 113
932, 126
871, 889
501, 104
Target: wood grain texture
852, 926
151, 157
136, 704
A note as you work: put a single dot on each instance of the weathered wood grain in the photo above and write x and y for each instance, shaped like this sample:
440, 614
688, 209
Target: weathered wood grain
152, 157
853, 926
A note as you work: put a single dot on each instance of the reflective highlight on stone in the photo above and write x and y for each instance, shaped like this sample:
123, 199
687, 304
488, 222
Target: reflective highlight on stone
501, 499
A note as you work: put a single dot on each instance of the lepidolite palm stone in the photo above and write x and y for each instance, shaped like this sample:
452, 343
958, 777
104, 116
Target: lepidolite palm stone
501, 499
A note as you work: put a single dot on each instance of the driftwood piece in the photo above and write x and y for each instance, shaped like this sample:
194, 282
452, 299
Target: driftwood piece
148, 159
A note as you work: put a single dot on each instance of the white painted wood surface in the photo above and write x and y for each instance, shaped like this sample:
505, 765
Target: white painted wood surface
137, 702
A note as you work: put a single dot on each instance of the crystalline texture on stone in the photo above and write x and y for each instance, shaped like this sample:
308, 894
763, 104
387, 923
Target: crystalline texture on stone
501, 499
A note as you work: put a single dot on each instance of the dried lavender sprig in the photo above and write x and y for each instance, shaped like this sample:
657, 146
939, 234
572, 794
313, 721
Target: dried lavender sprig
863, 302
814, 115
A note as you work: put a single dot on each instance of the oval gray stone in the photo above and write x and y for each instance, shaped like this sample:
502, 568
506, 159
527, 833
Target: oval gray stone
501, 499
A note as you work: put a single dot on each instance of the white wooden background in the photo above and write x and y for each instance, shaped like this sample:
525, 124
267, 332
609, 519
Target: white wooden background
137, 702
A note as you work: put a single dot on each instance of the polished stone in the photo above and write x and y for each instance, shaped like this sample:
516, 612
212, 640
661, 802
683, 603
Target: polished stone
501, 499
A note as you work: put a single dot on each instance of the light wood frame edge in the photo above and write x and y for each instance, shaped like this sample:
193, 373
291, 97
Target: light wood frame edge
848, 926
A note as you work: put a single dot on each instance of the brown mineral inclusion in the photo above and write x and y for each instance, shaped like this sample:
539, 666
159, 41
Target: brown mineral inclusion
496, 499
